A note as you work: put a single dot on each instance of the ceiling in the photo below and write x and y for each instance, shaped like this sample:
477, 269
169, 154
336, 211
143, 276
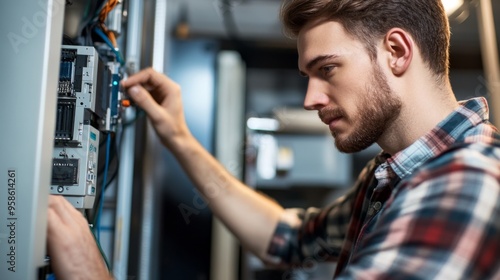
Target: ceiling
257, 20
254, 19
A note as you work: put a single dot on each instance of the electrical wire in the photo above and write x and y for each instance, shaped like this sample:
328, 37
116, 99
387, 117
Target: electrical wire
98, 243
103, 14
106, 40
108, 265
96, 230
106, 9
91, 13
108, 36
101, 200
114, 161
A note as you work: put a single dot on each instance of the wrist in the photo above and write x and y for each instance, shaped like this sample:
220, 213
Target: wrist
180, 141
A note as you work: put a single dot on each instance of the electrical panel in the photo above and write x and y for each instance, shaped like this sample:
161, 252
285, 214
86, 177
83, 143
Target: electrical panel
61, 116
88, 103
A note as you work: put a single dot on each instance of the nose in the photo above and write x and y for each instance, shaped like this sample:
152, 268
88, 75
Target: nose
316, 98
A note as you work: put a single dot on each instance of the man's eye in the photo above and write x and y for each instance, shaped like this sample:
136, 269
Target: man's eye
326, 70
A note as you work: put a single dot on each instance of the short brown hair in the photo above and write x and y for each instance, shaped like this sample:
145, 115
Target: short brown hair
368, 20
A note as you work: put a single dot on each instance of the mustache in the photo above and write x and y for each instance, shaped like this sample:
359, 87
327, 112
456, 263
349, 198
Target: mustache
329, 114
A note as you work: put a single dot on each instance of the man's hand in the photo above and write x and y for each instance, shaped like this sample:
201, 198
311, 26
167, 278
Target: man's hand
161, 98
71, 245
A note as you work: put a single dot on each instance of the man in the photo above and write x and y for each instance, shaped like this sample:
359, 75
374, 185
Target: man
426, 207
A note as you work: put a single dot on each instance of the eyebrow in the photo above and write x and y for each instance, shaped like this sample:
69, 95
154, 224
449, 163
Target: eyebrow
316, 61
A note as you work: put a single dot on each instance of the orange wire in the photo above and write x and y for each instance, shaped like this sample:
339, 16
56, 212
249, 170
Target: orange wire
112, 38
108, 7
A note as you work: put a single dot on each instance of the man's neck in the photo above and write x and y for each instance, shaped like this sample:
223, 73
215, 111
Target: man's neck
424, 107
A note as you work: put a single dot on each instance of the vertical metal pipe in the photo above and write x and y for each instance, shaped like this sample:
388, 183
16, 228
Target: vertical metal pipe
134, 35
124, 199
229, 142
148, 207
149, 189
126, 172
489, 50
159, 39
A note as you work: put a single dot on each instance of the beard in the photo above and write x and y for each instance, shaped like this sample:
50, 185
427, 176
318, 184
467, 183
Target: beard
377, 110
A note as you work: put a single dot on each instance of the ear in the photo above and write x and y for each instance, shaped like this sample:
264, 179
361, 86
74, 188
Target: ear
400, 46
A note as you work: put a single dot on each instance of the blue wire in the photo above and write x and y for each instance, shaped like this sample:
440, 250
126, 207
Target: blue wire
101, 201
108, 42
104, 38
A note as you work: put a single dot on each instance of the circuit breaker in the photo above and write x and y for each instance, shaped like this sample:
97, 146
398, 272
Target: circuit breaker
87, 104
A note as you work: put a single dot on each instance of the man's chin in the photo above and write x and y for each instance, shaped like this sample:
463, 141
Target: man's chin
349, 149
349, 146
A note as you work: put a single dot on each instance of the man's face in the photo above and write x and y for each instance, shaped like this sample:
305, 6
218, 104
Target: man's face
347, 88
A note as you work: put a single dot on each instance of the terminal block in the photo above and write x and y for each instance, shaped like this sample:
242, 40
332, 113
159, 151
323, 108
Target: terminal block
76, 142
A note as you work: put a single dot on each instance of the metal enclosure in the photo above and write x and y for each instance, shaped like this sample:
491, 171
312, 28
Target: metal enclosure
30, 50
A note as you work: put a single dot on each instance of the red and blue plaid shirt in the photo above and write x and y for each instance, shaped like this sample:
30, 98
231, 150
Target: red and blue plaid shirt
431, 211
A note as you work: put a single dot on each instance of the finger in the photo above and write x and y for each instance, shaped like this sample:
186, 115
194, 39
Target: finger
148, 77
57, 205
143, 99
62, 205
156, 83
63, 209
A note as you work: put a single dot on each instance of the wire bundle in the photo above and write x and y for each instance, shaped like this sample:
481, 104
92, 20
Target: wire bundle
108, 36
103, 14
98, 27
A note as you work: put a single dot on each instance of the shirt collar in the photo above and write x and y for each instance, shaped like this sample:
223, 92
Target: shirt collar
448, 132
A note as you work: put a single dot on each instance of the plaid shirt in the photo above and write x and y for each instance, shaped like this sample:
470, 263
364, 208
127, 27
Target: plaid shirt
431, 211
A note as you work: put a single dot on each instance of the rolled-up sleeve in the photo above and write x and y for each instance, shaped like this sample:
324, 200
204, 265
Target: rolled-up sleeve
320, 234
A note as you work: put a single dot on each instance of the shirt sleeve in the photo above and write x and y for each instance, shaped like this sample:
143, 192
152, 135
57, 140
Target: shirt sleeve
321, 233
441, 224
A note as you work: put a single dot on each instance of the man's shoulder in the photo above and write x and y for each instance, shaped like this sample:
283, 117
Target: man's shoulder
477, 157
469, 153
479, 144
